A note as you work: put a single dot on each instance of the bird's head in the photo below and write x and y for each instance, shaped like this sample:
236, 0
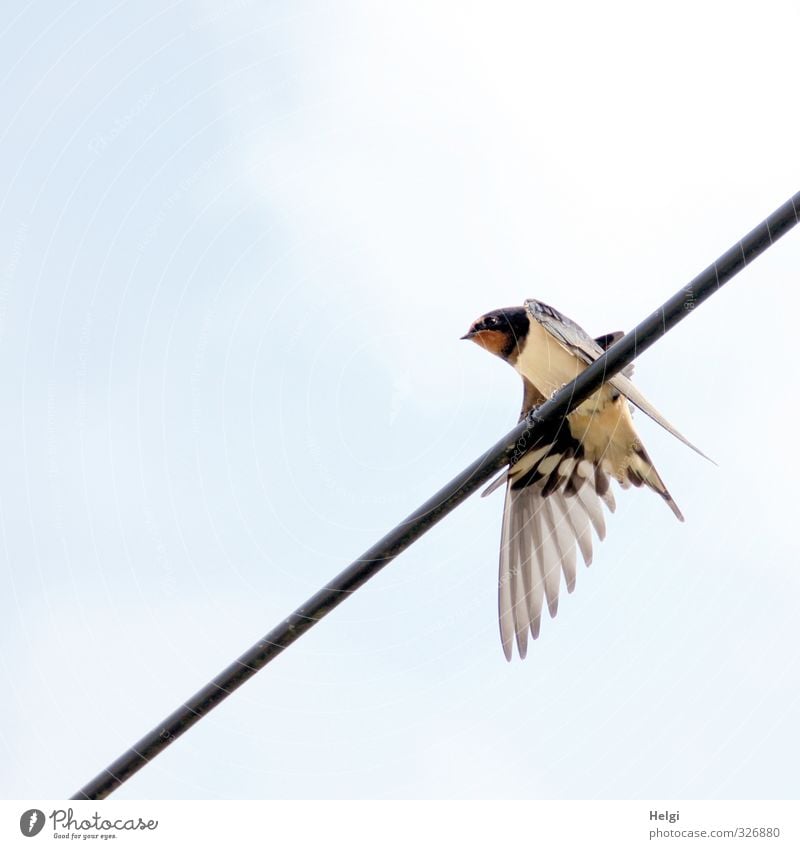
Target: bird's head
501, 332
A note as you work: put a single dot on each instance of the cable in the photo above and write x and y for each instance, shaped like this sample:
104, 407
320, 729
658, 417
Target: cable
508, 449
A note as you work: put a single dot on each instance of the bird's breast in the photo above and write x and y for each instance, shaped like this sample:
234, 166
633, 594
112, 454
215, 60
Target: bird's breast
548, 365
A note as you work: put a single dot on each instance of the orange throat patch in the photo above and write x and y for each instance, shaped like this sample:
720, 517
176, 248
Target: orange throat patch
495, 341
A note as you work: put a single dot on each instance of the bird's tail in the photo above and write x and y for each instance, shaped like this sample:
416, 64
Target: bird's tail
640, 470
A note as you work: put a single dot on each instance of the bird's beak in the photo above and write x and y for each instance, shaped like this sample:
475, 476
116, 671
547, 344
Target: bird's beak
469, 334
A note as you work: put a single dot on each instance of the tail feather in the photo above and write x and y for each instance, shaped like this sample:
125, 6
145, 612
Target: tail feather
642, 471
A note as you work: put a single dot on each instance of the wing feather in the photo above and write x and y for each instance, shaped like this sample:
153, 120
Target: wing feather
505, 611
519, 579
535, 570
589, 499
541, 533
565, 540
580, 526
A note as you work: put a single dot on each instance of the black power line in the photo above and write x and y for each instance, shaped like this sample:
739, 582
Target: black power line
510, 447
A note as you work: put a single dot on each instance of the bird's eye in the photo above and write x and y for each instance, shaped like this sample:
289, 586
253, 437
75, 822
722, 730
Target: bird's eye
491, 321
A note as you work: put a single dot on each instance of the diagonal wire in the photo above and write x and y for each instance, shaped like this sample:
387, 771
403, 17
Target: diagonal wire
508, 450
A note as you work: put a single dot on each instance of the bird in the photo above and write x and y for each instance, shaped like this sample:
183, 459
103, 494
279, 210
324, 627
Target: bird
556, 491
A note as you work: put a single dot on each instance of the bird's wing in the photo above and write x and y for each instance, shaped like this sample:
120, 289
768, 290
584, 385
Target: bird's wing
554, 498
576, 339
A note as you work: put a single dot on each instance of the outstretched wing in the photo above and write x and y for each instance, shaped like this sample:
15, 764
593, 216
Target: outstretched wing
576, 339
554, 498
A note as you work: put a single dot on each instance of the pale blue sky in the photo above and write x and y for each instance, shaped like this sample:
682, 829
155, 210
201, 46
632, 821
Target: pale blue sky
238, 244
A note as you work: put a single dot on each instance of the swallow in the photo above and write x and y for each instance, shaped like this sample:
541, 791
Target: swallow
555, 492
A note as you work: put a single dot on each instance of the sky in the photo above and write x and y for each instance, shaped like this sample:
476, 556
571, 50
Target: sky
239, 243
